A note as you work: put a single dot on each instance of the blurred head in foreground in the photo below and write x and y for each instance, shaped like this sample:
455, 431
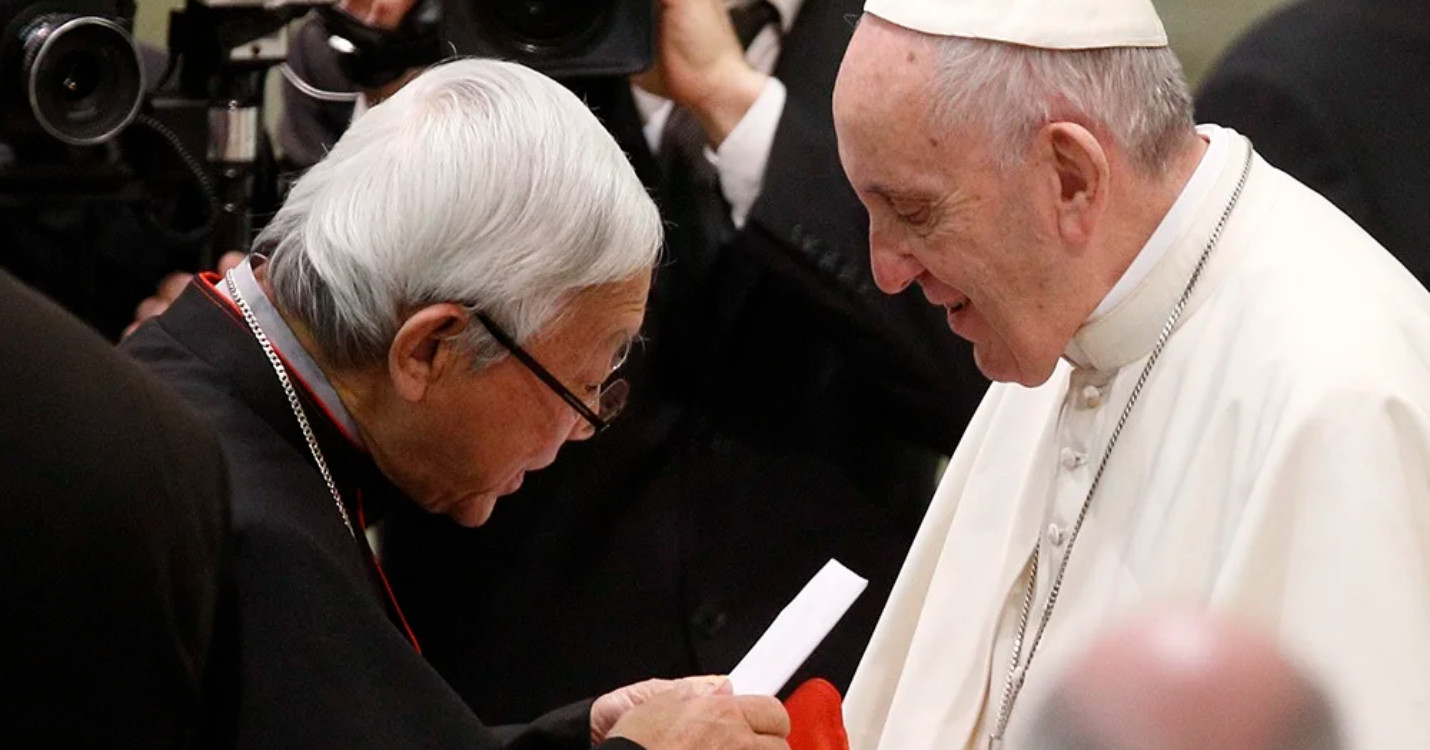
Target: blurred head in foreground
1185, 681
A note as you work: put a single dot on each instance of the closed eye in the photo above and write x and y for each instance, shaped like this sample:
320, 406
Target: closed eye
916, 217
914, 214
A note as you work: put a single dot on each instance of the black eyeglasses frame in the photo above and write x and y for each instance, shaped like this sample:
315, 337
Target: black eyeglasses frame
575, 402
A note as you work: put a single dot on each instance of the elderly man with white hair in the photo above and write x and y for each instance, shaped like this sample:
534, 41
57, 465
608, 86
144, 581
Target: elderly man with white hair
1216, 387
440, 304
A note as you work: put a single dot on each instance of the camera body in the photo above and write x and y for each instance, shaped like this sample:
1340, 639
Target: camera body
109, 180
564, 39
80, 124
69, 71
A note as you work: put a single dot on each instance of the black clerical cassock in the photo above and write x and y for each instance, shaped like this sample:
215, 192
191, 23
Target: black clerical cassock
324, 658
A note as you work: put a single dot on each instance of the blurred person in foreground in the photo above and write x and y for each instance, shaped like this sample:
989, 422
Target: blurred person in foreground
1182, 680
1213, 385
439, 305
115, 501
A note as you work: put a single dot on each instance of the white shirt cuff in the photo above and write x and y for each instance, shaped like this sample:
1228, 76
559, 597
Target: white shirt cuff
745, 152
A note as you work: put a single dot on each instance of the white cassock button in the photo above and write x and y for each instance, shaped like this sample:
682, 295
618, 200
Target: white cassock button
1070, 458
1055, 535
1092, 397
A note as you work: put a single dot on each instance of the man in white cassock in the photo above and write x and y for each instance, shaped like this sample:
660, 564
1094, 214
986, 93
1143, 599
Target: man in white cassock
1215, 388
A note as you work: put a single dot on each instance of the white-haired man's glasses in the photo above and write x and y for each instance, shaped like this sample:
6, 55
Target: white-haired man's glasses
610, 401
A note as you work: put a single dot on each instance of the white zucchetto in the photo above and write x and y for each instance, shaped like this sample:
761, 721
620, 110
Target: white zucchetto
1049, 24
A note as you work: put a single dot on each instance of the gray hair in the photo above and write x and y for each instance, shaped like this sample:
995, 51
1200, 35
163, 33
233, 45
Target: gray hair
1137, 96
480, 182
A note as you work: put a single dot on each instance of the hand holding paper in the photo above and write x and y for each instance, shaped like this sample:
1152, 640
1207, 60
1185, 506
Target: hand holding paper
815, 716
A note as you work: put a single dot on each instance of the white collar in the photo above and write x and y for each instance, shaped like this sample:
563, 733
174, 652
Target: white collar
299, 361
1130, 329
1178, 219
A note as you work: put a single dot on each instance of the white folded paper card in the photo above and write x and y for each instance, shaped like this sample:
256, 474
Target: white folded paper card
792, 637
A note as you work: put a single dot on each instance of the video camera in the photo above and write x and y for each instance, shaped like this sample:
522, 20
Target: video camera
87, 116
565, 39
82, 123
71, 75
70, 70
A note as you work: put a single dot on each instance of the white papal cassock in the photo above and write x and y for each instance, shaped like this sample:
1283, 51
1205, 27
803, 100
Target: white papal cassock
1276, 466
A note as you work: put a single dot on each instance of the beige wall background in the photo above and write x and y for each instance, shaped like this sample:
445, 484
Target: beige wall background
1200, 29
151, 20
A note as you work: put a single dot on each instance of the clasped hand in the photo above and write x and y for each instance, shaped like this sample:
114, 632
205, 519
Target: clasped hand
694, 713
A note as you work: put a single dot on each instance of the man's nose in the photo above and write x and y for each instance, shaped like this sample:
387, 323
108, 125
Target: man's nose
893, 268
581, 429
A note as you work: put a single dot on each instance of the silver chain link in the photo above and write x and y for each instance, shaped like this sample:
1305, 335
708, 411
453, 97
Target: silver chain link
1016, 677
292, 395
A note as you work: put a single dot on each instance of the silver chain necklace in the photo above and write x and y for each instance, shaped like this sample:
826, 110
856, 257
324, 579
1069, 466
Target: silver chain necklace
1016, 675
292, 393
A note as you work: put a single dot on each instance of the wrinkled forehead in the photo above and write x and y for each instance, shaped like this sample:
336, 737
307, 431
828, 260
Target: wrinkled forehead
615, 309
886, 72
888, 140
883, 97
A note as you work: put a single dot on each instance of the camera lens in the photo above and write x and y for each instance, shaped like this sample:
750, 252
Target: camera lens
549, 26
82, 76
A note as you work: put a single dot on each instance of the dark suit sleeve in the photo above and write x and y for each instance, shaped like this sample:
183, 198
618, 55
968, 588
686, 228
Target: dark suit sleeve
1285, 125
811, 230
806, 202
559, 728
562, 727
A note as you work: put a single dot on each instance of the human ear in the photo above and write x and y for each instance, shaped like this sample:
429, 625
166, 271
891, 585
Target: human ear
1082, 172
422, 351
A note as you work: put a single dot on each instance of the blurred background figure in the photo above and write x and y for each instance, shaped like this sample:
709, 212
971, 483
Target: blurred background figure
1334, 92
1184, 681
115, 503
